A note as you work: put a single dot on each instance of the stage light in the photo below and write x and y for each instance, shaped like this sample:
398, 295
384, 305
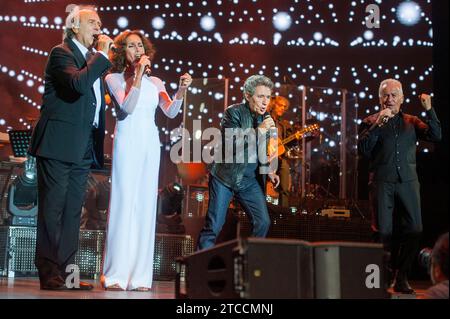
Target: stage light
122, 22
368, 35
22, 196
158, 23
408, 13
276, 38
282, 21
318, 36
207, 23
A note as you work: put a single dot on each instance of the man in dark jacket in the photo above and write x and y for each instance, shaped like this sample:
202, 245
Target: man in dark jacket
389, 139
243, 170
67, 140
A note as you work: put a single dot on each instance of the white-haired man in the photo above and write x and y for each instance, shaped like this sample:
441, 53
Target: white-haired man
388, 139
67, 141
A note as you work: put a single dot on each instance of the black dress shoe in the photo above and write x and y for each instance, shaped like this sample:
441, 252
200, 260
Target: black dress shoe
83, 286
402, 286
54, 283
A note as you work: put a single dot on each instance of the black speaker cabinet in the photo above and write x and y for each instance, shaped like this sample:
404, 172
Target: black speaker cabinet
346, 270
248, 268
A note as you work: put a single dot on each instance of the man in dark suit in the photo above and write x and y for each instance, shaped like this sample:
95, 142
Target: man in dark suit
389, 139
67, 141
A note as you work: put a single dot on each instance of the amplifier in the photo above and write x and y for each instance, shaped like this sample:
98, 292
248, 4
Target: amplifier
259, 268
251, 268
306, 227
18, 244
335, 212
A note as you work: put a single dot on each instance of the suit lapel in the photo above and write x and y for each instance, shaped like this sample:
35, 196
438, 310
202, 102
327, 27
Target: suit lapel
81, 62
79, 59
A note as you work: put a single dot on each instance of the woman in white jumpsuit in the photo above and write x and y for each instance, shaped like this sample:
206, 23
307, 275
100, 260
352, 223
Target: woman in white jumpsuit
128, 262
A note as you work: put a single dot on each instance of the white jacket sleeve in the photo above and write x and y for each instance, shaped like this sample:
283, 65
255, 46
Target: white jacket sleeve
116, 86
168, 106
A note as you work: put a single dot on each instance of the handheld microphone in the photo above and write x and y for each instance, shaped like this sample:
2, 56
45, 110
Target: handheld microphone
113, 48
385, 119
273, 131
147, 70
267, 116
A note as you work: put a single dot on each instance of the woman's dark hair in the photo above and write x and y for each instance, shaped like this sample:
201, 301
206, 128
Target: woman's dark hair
118, 58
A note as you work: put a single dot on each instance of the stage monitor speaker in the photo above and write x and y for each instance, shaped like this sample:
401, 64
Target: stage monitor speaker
349, 270
248, 268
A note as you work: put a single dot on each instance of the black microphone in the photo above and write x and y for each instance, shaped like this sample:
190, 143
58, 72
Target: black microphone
385, 119
267, 116
113, 48
147, 70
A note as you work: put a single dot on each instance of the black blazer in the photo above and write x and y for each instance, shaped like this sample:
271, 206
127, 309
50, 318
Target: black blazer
237, 116
392, 154
68, 108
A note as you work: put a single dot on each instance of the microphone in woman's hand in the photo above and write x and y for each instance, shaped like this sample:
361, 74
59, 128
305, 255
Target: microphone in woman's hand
147, 70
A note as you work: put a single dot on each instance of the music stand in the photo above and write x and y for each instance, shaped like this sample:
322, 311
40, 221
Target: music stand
20, 140
22, 194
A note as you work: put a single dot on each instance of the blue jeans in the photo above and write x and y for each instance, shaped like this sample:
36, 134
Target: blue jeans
252, 200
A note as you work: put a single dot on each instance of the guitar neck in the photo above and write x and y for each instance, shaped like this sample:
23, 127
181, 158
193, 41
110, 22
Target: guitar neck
292, 137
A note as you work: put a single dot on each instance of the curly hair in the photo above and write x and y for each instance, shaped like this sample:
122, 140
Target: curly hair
118, 57
277, 100
256, 80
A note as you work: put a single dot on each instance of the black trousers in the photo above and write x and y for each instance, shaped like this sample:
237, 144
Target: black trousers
397, 220
61, 192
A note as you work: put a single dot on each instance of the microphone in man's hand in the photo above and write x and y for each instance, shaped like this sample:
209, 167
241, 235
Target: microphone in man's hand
113, 48
385, 118
272, 129
267, 116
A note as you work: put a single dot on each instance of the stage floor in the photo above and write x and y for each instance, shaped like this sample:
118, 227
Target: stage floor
28, 288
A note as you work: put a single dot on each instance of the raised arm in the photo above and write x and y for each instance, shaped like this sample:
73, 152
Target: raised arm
168, 106
126, 101
63, 67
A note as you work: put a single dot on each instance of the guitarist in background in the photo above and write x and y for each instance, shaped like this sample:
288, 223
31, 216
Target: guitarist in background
277, 107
